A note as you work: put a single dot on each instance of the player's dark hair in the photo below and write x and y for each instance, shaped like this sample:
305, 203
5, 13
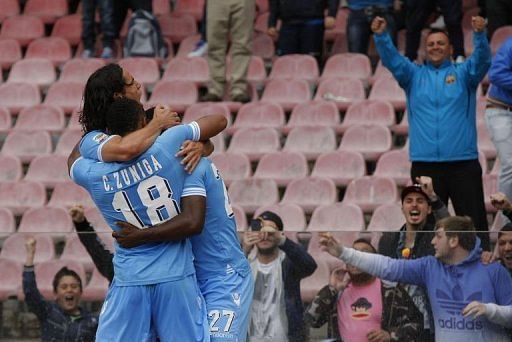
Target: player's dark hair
365, 241
462, 227
124, 116
436, 30
506, 228
64, 271
98, 96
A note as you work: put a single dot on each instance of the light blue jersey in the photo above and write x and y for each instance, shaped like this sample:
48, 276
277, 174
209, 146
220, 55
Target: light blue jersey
145, 192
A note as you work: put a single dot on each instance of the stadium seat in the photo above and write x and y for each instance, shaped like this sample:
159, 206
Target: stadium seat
401, 128
295, 67
177, 94
263, 46
256, 74
282, 167
97, 288
20, 196
9, 8
37, 220
287, 93
340, 166
380, 72
258, 115
499, 36
66, 95
27, 145
47, 10
10, 53
177, 27
349, 65
67, 141
310, 192
311, 141
369, 112
310, 286
188, 45
55, 49
75, 250
342, 91
313, 113
38, 71
23, 28
161, 7
79, 69
97, 221
10, 278
292, 215
69, 28
255, 142
5, 120
370, 192
67, 194
14, 248
336, 217
490, 183
193, 69
199, 110
485, 143
219, 143
396, 165
41, 117
370, 140
74, 123
50, 170
261, 23
251, 194
232, 166
240, 218
45, 272
7, 222
340, 28
386, 218
144, 70
387, 89
190, 7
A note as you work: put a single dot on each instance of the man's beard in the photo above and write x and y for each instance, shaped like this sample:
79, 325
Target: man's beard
267, 251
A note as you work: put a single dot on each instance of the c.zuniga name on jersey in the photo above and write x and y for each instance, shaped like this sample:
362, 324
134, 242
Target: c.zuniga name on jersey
141, 170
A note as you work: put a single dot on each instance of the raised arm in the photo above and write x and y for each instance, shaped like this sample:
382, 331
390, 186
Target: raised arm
480, 60
33, 297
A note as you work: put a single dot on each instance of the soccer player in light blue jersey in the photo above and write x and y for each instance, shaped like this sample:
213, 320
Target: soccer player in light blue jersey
154, 286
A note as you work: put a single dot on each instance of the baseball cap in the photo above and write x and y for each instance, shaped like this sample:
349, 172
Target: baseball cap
415, 188
257, 223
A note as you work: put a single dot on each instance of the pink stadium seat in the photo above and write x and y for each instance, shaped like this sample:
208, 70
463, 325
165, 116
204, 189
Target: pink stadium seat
403, 127
161, 7
370, 192
67, 194
10, 52
193, 69
256, 74
240, 218
79, 69
282, 167
255, 142
499, 36
5, 120
380, 72
23, 28
177, 94
10, 278
38, 71
219, 143
74, 250
45, 272
232, 166
97, 221
258, 115
396, 165
369, 112
66, 95
313, 113
190, 7
27, 145
188, 45
41, 117
295, 67
287, 93
485, 143
47, 10
263, 46
370, 140
340, 28
310, 192
14, 248
387, 89
310, 286
342, 91
490, 183
251, 194
97, 287
199, 110
20, 196
177, 28
55, 49
67, 141
7, 222
49, 170
340, 166
337, 217
74, 123
293, 216
349, 65
9, 8
54, 221
144, 70
69, 28
311, 141
386, 218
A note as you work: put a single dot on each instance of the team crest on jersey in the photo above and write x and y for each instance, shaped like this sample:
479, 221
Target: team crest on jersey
236, 298
450, 79
100, 137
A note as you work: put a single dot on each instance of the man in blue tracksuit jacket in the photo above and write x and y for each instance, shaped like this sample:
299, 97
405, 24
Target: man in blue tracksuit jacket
441, 104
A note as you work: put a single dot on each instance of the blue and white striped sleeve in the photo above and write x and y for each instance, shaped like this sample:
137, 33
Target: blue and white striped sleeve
92, 144
195, 182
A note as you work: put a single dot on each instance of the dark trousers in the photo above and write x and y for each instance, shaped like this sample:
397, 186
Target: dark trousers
418, 12
89, 25
499, 13
121, 8
301, 38
359, 31
462, 183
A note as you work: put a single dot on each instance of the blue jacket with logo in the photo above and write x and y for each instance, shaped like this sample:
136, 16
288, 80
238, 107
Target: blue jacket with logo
500, 74
441, 102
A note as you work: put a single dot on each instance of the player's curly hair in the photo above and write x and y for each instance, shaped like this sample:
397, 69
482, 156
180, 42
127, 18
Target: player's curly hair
124, 116
98, 96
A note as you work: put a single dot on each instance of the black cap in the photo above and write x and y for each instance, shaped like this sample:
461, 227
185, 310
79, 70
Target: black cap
256, 223
415, 188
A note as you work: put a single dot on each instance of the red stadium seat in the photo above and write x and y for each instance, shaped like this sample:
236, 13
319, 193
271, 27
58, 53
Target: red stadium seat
263, 46
199, 110
232, 166
387, 89
292, 215
251, 194
193, 69
370, 192
342, 91
7, 222
310, 286
9, 8
287, 93
188, 45
258, 115
490, 183
47, 10
369, 112
370, 140
161, 7
20, 196
27, 145
10, 278
144, 70
337, 217
79, 69
49, 220
67, 194
485, 143
380, 72
99, 224
49, 170
403, 127
179, 95
10, 53
499, 36
395, 164
23, 28
349, 65
38, 71
310, 192
41, 117
177, 28
66, 95
282, 167
385, 218
96, 289
313, 113
74, 250
240, 218
14, 248
55, 49
255, 142
45, 272
311, 141
5, 120
69, 28
295, 67
340, 166
190, 7
67, 141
